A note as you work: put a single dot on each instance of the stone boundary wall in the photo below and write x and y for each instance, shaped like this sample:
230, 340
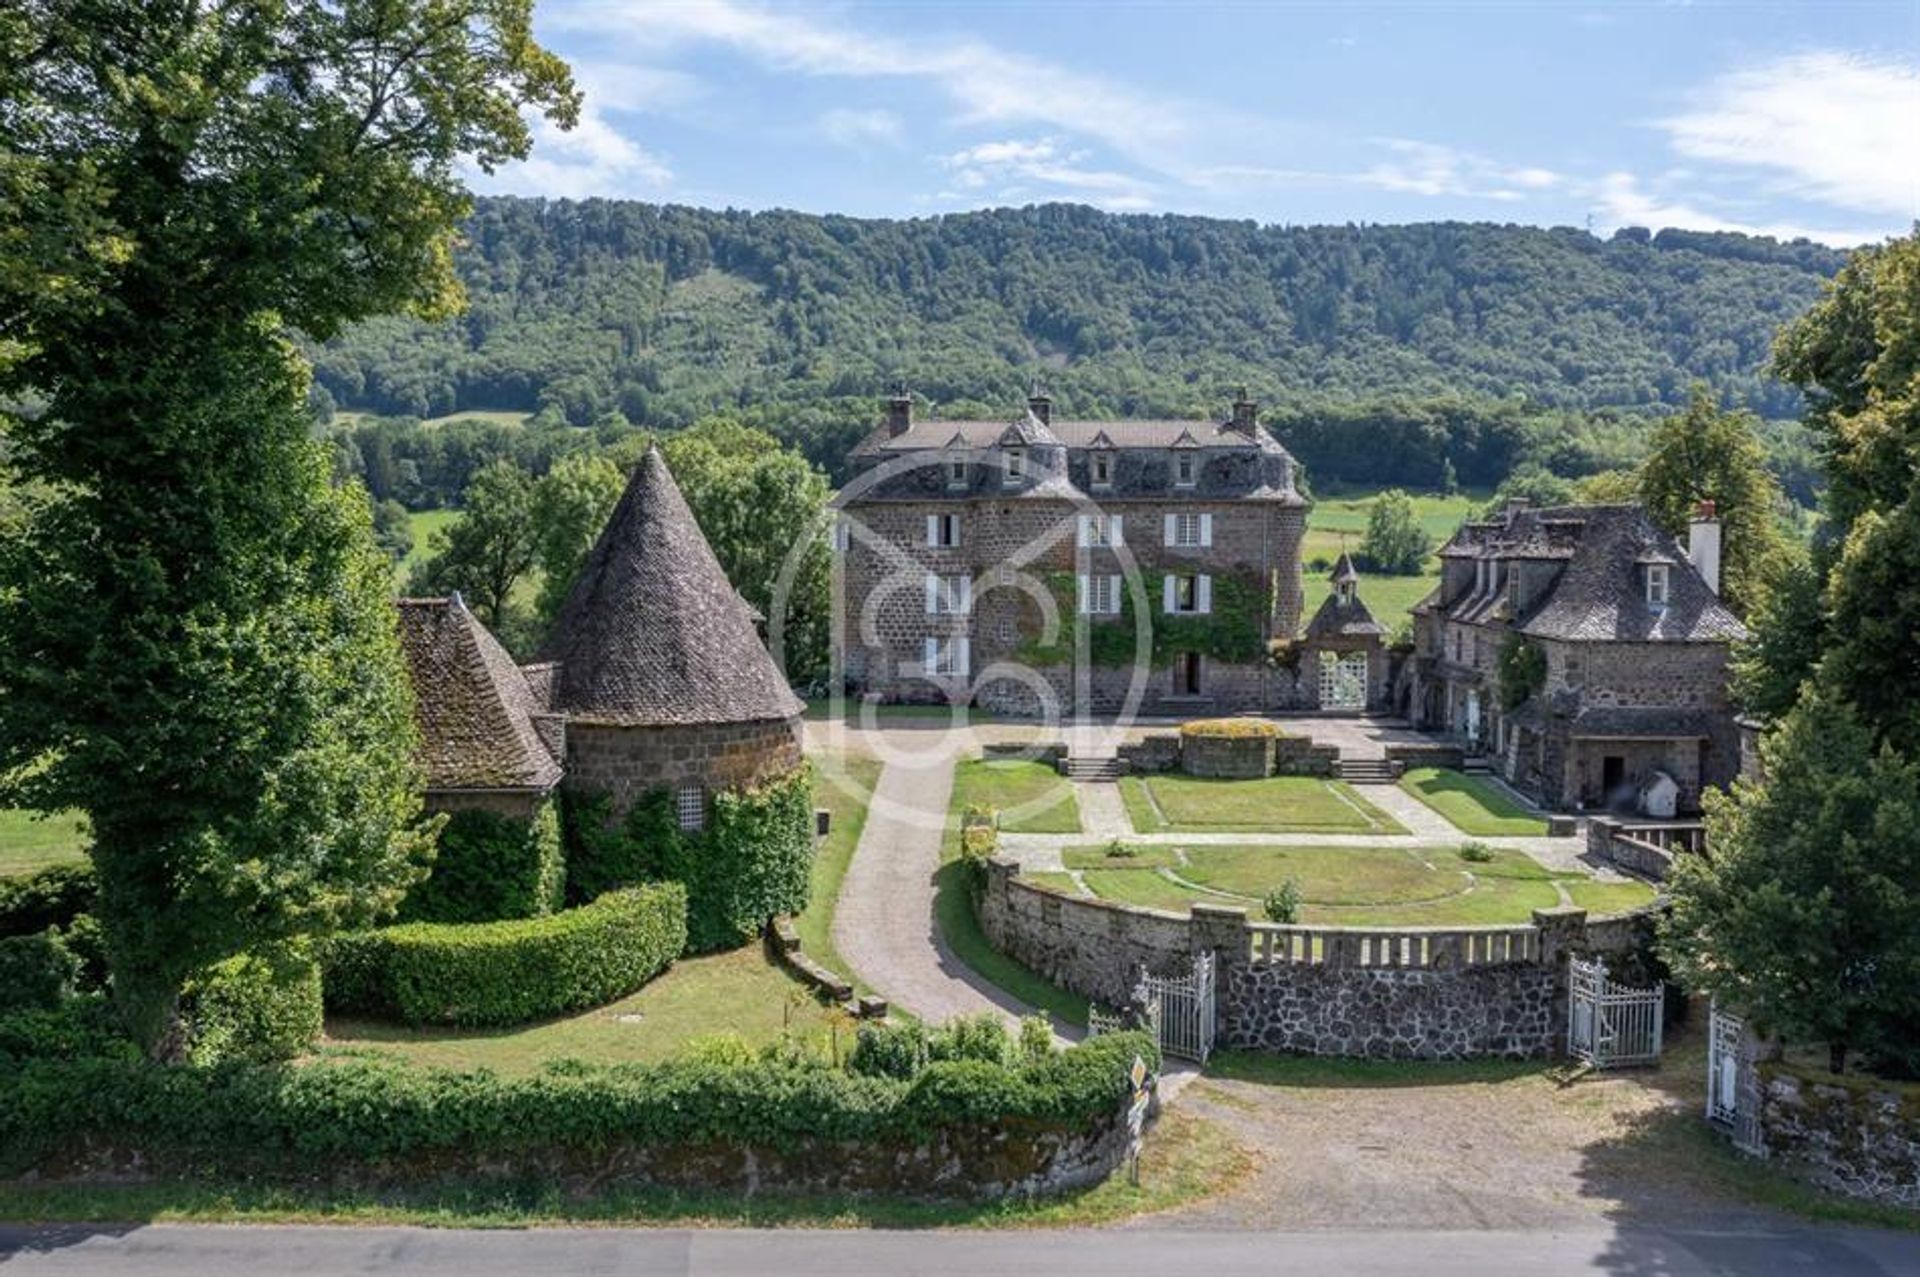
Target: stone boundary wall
1155, 752
1451, 757
1282, 756
1852, 1136
1639, 849
1051, 752
1401, 993
1301, 756
1227, 757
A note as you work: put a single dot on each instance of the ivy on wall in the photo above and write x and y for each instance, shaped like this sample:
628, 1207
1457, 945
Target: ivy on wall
1233, 632
491, 867
1522, 670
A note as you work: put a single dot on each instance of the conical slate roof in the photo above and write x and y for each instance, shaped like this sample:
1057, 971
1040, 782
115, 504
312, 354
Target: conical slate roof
472, 702
1344, 571
652, 633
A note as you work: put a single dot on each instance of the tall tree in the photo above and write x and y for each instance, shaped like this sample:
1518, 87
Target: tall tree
486, 552
1704, 454
195, 646
1395, 543
570, 507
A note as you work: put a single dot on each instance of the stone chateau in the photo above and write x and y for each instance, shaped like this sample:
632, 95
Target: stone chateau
654, 676
968, 548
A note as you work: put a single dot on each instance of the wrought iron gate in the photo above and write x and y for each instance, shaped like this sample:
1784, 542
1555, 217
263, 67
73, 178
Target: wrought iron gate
1611, 1025
1733, 1084
1180, 1009
1343, 680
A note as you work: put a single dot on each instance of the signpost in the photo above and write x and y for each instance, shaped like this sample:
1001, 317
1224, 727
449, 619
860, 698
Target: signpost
1142, 1082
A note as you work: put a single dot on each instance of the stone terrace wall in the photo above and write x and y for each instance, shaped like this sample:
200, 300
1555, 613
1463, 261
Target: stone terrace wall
1290, 756
1299, 756
1227, 757
1852, 1136
1155, 752
1403, 993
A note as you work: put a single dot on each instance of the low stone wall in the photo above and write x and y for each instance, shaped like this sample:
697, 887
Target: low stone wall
1299, 756
1288, 756
1615, 842
1506, 1011
1052, 752
1850, 1135
1084, 945
1156, 752
1227, 757
1451, 757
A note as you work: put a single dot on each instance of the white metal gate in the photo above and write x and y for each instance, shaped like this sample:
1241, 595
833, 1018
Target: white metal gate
1611, 1025
1343, 680
1180, 1009
1733, 1089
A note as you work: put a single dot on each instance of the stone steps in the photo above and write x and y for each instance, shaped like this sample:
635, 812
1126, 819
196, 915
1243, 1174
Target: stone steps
1091, 769
1367, 771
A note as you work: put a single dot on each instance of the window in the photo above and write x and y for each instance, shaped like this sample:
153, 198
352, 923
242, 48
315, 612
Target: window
1189, 530
943, 530
1186, 674
945, 657
1513, 588
1099, 530
956, 472
949, 595
1099, 595
691, 807
1102, 468
1183, 468
1657, 586
1187, 594
1016, 465
842, 534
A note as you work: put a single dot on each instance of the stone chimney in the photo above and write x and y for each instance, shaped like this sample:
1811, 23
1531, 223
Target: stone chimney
899, 412
1703, 543
1246, 413
1040, 404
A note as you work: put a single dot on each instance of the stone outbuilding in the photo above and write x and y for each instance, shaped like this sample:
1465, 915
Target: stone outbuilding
1343, 665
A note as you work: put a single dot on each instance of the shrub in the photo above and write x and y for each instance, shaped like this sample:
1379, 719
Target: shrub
983, 1038
751, 862
89, 944
499, 973
1230, 729
1283, 903
80, 1028
491, 867
257, 1007
37, 972
51, 898
1036, 1038
1476, 852
891, 1050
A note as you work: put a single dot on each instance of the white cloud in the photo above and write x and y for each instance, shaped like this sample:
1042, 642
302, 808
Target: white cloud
611, 86
1834, 127
592, 158
1621, 201
1013, 166
1409, 167
848, 127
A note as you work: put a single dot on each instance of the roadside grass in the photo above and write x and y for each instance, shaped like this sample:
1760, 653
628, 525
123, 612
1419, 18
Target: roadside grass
740, 992
1184, 1159
843, 785
1274, 805
1471, 804
30, 842
1031, 797
1147, 889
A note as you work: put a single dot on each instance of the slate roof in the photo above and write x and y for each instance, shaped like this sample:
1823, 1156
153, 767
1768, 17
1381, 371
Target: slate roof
652, 633
1074, 434
1599, 593
1335, 619
474, 705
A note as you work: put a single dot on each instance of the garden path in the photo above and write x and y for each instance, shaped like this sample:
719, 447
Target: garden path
1102, 815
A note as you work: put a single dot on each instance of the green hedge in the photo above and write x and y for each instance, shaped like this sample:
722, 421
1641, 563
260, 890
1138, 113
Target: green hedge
500, 973
37, 972
51, 898
346, 1112
491, 867
751, 862
255, 1007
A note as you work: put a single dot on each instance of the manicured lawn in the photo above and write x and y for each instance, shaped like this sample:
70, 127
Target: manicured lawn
1472, 804
843, 785
738, 992
1030, 797
1348, 886
1061, 882
29, 843
1277, 805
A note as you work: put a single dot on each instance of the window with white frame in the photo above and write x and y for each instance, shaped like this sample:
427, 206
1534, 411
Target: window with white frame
949, 594
1102, 468
945, 656
690, 805
943, 530
956, 472
1185, 465
1657, 586
1187, 594
1189, 530
842, 534
1016, 465
1098, 530
1099, 594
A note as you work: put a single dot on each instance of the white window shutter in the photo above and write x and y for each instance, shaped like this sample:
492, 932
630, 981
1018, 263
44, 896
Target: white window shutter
966, 595
963, 655
1173, 530
1113, 595
1206, 594
933, 529
1080, 593
1166, 594
933, 594
1206, 529
929, 651
1118, 537
1085, 536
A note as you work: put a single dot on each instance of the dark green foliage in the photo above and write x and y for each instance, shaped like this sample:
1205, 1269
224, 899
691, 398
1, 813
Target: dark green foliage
1282, 904
392, 529
1394, 543
905, 1049
981, 1038
896, 1050
1784, 640
500, 973
752, 861
1522, 670
51, 898
37, 972
1231, 632
669, 314
491, 867
256, 1008
78, 1028
484, 553
354, 1113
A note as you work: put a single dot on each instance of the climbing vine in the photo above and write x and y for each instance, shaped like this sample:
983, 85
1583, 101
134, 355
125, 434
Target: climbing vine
1523, 672
1231, 632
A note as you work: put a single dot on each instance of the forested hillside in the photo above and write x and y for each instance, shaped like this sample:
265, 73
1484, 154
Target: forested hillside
665, 314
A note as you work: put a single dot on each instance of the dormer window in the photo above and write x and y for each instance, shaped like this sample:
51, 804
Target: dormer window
956, 472
1102, 468
1513, 588
1184, 468
1016, 466
1657, 586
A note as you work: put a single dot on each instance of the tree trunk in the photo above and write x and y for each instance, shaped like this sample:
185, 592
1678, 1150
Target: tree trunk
150, 1008
1836, 1057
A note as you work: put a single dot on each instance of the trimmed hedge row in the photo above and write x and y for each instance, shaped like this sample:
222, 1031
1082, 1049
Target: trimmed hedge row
500, 973
348, 1112
255, 1007
53, 897
1231, 729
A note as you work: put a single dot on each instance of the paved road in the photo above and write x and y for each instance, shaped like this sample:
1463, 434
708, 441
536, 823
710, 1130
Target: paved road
208, 1251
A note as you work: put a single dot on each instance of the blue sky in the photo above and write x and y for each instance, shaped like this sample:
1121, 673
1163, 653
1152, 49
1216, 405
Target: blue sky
1785, 119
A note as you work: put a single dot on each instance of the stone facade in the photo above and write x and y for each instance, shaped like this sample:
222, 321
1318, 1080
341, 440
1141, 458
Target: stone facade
1400, 993
1226, 757
1850, 1135
515, 804
626, 763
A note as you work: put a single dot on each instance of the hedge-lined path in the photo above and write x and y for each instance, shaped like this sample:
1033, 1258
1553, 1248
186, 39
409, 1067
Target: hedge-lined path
884, 925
